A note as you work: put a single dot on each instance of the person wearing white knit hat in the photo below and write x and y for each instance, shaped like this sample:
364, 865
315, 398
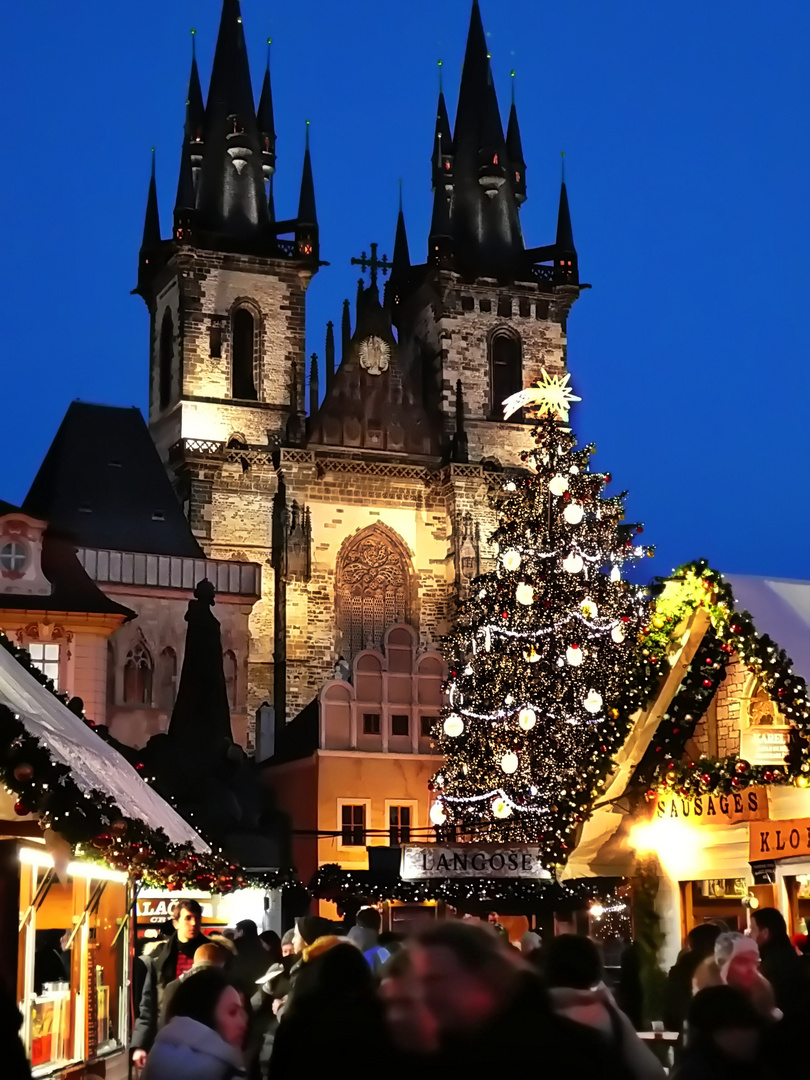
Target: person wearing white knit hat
736, 963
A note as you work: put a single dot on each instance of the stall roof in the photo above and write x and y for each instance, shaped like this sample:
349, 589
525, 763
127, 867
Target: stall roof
781, 609
94, 764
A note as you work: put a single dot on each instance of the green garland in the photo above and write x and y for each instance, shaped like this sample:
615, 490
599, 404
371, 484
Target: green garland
93, 824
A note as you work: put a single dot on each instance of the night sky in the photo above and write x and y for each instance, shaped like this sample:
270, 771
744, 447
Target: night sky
685, 127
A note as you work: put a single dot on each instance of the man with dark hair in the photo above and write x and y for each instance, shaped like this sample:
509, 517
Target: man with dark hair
678, 994
365, 934
492, 1012
171, 959
779, 962
251, 957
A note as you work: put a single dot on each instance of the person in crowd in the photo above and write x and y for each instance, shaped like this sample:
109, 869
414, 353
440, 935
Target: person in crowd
411, 1024
287, 945
251, 956
308, 928
779, 961
271, 943
700, 943
333, 1024
49, 965
492, 1012
723, 1038
736, 963
630, 991
169, 927
574, 974
166, 963
205, 1033
208, 955
530, 942
365, 934
268, 1004
15, 1062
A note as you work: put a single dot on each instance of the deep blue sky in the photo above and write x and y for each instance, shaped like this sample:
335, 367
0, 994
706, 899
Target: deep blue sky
688, 161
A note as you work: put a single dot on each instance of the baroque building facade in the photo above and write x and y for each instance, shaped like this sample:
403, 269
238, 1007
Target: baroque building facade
365, 501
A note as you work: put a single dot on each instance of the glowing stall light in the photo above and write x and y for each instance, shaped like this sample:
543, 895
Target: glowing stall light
42, 860
674, 842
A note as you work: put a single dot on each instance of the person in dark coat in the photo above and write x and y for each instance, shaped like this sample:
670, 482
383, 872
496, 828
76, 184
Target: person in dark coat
723, 1038
493, 1012
15, 1062
333, 1024
170, 960
678, 993
251, 957
779, 962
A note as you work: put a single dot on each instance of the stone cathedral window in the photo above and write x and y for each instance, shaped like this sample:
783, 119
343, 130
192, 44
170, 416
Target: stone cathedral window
372, 591
506, 370
243, 338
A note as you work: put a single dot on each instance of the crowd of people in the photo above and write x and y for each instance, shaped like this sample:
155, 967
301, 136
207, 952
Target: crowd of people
457, 998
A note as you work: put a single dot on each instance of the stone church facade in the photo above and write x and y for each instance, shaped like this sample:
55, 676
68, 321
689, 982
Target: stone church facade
363, 491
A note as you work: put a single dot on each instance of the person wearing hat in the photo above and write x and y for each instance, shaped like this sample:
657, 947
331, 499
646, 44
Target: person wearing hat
287, 946
736, 963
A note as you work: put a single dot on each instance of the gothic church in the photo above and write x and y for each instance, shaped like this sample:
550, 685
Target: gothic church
365, 499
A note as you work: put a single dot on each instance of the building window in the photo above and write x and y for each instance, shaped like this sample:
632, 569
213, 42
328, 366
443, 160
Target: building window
13, 557
46, 658
505, 307
427, 725
167, 691
166, 359
506, 371
353, 825
485, 306
467, 303
399, 825
372, 590
525, 308
215, 341
371, 723
243, 335
138, 670
229, 664
400, 724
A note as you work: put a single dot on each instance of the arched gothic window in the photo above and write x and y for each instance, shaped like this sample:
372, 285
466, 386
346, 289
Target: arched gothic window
372, 590
138, 672
506, 370
166, 359
229, 665
243, 338
167, 674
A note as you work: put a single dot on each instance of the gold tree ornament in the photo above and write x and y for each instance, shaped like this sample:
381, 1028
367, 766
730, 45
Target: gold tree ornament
551, 394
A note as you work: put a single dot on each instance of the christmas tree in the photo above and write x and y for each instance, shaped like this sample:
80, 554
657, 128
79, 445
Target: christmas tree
542, 651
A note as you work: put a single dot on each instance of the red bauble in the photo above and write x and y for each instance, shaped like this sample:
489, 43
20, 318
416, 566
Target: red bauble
20, 809
707, 683
767, 776
675, 730
639, 529
735, 628
735, 781
118, 827
103, 840
706, 779
504, 614
742, 767
625, 618
24, 773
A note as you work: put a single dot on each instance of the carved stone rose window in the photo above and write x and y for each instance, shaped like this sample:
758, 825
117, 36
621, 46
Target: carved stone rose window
372, 591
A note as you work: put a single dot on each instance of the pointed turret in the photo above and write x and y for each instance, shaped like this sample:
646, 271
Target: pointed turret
232, 201
514, 152
329, 355
442, 143
306, 228
267, 127
401, 261
345, 330
151, 221
195, 106
440, 243
565, 261
313, 385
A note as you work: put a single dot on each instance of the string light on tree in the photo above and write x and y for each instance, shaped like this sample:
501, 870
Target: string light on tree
542, 648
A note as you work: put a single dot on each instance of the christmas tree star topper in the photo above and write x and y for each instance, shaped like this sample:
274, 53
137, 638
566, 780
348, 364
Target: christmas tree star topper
551, 394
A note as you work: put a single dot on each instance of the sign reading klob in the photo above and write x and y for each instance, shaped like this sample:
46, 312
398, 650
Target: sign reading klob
779, 839
470, 861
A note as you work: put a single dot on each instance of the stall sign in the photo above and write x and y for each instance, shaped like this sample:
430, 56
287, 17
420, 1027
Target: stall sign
779, 839
750, 804
471, 861
764, 745
154, 910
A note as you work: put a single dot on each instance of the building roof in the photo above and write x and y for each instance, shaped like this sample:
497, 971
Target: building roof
781, 609
103, 483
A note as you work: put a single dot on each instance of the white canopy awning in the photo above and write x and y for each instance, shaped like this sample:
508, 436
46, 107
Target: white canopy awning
93, 763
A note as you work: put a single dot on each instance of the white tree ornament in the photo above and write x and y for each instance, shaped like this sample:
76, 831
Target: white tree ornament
617, 634
574, 655
509, 762
524, 594
453, 726
589, 609
437, 814
573, 563
558, 485
593, 702
510, 559
501, 808
573, 513
527, 718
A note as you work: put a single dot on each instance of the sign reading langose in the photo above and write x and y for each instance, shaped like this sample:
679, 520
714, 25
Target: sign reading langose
470, 861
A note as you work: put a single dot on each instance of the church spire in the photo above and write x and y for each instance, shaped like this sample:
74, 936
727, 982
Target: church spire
267, 128
306, 229
329, 355
514, 151
345, 330
565, 261
400, 262
313, 385
442, 143
232, 200
151, 221
195, 106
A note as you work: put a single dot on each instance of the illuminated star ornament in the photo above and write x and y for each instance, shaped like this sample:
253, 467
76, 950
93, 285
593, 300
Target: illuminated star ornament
551, 394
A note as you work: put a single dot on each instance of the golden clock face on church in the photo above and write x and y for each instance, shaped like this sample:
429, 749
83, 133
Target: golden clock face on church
374, 355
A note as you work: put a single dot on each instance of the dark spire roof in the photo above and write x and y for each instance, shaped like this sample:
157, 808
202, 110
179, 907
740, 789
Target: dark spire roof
195, 106
102, 481
151, 222
401, 260
565, 233
442, 142
345, 330
307, 214
440, 243
186, 195
267, 127
231, 199
514, 150
329, 355
313, 384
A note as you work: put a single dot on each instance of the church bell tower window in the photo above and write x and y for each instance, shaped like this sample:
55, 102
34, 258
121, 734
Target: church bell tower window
506, 370
243, 340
